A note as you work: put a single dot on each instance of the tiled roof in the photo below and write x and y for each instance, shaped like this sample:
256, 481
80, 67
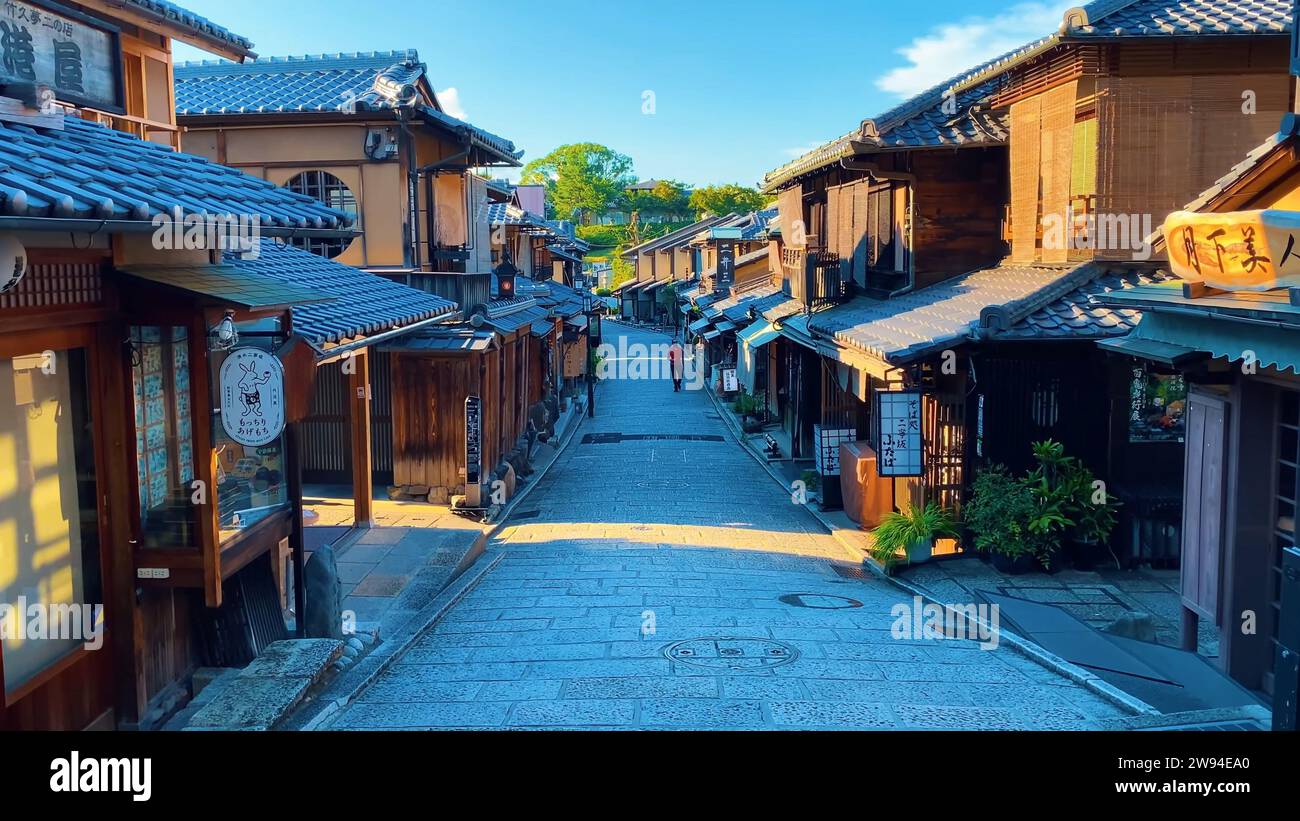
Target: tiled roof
90, 172
918, 122
758, 224
189, 21
560, 298
315, 83
1079, 314
457, 338
673, 238
736, 307
912, 325
1162, 18
364, 304
503, 213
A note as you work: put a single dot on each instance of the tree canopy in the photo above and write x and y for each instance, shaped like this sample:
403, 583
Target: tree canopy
718, 200
667, 198
581, 179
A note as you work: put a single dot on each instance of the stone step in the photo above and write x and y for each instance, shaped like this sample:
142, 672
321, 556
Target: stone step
268, 689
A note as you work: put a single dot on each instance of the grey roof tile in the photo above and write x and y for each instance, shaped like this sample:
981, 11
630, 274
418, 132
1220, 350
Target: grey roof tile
1163, 18
88, 171
363, 304
313, 83
1078, 314
186, 19
917, 323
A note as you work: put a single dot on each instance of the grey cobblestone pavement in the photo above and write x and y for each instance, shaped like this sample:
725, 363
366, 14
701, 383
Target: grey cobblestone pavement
642, 586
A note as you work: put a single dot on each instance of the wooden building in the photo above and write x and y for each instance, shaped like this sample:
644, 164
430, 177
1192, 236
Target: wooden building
1239, 352
955, 246
367, 132
154, 358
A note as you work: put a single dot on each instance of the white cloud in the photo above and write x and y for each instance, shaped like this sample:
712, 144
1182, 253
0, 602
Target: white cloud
450, 99
947, 50
799, 151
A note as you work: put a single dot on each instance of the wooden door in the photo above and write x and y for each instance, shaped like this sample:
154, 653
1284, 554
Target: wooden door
1203, 503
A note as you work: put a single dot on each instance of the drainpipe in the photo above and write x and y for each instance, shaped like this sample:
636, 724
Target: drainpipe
412, 190
851, 164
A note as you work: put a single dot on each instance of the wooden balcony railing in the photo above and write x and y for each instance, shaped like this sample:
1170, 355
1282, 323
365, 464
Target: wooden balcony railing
824, 280
151, 130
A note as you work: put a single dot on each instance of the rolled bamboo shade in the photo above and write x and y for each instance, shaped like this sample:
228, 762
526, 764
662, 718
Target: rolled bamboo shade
1056, 157
793, 229
1164, 140
1026, 116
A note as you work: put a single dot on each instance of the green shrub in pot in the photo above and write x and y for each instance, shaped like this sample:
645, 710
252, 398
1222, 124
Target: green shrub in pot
911, 534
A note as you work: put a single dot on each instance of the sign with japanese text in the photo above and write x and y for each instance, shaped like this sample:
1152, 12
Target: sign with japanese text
252, 396
1236, 250
901, 450
77, 58
726, 265
730, 382
473, 440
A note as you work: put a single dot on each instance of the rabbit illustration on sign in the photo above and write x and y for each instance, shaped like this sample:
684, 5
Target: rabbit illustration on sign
249, 383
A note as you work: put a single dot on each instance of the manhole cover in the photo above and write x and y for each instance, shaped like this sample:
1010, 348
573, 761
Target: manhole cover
732, 654
820, 601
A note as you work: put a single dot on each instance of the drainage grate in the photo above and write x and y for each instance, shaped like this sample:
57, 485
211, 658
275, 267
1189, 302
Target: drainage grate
850, 571
735, 655
527, 514
616, 438
819, 601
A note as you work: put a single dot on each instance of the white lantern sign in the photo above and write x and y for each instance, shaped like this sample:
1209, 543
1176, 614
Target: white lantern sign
252, 396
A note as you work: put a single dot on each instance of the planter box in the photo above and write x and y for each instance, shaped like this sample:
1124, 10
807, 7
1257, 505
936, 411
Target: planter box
1013, 567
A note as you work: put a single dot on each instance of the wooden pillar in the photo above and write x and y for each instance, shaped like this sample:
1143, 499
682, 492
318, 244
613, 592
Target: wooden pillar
359, 403
297, 537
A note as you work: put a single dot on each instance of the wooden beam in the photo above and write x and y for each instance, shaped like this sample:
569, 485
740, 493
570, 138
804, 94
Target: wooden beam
359, 402
205, 460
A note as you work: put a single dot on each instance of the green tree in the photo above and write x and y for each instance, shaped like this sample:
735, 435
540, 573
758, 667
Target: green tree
667, 198
581, 179
718, 200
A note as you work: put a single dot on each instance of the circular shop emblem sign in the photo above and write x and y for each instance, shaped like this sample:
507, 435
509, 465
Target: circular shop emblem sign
252, 396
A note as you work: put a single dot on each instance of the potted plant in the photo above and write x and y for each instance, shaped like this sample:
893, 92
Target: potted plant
1094, 519
998, 516
911, 534
1053, 487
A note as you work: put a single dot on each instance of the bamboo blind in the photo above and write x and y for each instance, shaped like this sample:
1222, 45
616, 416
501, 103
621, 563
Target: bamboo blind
1056, 158
848, 234
1163, 140
793, 229
861, 216
1025, 151
831, 240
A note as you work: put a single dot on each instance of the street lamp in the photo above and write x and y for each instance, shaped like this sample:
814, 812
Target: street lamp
589, 311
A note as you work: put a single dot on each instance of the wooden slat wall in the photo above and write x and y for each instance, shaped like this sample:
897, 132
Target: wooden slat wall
861, 222
1025, 159
1055, 162
957, 212
55, 286
429, 419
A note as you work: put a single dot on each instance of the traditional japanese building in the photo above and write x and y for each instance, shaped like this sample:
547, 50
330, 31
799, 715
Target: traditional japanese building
159, 337
954, 246
367, 133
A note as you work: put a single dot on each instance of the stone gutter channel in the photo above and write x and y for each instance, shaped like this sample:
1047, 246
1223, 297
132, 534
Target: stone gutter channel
854, 540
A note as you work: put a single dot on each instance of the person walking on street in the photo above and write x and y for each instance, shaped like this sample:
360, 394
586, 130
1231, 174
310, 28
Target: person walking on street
675, 364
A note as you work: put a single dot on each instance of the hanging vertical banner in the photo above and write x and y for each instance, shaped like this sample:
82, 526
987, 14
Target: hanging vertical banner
726, 265
898, 432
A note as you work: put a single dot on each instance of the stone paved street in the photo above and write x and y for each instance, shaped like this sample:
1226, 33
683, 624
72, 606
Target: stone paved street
642, 586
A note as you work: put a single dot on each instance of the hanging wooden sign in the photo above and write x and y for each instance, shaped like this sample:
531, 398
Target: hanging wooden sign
77, 58
252, 396
1235, 250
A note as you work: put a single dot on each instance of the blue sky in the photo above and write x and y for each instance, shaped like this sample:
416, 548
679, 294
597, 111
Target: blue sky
735, 95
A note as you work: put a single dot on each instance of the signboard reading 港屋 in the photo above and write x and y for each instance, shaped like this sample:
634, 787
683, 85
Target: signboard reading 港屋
45, 45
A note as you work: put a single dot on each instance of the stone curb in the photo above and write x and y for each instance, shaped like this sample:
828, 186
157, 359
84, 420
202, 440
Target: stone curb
354, 681
1051, 661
